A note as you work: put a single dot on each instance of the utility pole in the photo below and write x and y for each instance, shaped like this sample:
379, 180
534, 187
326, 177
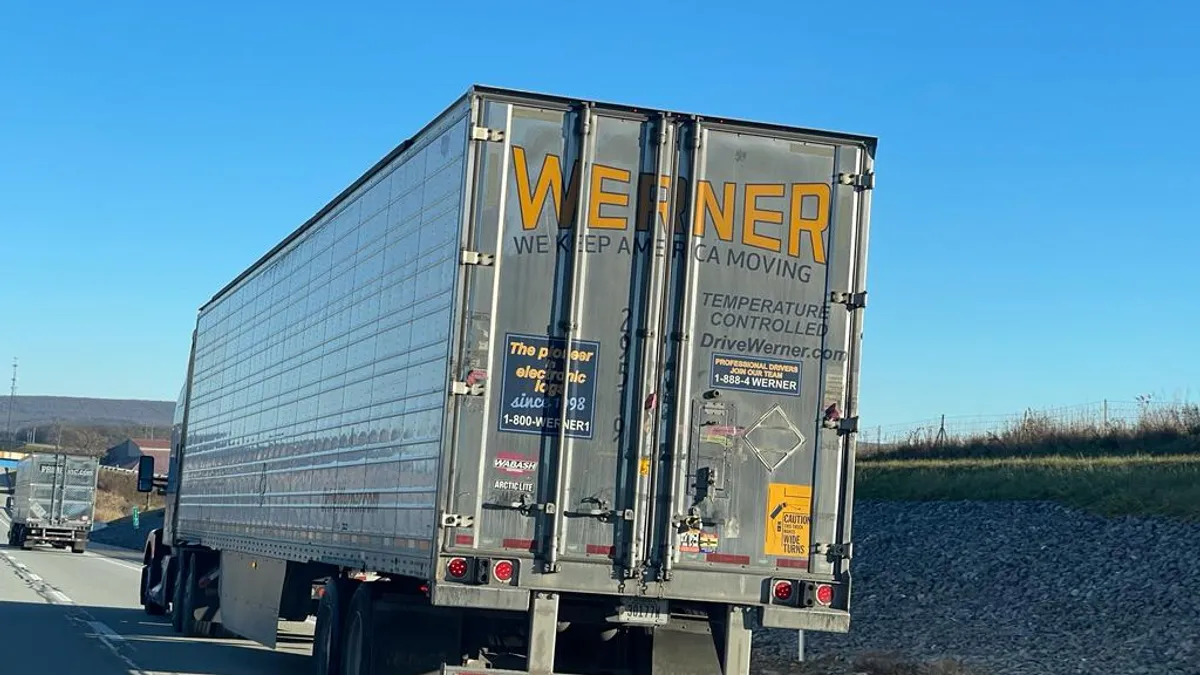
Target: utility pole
12, 401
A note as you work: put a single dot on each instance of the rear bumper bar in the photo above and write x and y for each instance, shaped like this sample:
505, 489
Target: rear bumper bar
55, 534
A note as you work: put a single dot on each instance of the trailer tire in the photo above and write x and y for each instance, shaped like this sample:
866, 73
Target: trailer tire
187, 605
358, 633
177, 591
331, 619
79, 547
23, 540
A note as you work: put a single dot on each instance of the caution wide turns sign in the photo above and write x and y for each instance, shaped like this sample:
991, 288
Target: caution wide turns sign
789, 520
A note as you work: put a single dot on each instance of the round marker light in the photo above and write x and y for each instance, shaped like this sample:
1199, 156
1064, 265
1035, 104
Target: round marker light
824, 594
503, 571
457, 567
783, 591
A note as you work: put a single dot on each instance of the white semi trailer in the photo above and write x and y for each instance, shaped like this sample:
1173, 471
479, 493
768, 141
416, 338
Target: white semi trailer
557, 386
53, 501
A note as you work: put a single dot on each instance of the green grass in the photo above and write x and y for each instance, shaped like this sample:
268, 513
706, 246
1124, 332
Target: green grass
1162, 485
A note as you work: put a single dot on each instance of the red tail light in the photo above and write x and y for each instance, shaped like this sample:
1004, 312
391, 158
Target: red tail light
783, 591
824, 594
457, 567
503, 571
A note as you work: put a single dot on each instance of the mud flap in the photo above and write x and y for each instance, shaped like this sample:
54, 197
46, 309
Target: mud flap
250, 589
720, 646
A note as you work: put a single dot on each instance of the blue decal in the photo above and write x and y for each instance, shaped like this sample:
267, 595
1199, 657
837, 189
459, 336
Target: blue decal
759, 375
535, 386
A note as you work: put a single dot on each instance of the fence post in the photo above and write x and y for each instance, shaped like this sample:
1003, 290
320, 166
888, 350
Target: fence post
1105, 412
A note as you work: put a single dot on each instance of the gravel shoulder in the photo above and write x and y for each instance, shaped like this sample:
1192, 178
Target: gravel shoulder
1018, 588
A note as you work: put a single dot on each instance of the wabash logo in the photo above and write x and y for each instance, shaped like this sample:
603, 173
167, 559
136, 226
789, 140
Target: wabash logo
514, 464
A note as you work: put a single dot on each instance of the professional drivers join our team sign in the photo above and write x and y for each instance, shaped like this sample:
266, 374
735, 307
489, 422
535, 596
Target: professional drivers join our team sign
548, 386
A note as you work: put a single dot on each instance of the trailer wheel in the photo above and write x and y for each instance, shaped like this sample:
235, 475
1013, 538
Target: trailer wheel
177, 591
187, 605
79, 547
331, 619
358, 634
23, 540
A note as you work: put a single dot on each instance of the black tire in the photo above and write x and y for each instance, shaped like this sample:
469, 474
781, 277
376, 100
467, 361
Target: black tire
149, 606
187, 604
389, 638
23, 540
331, 617
358, 633
181, 558
79, 547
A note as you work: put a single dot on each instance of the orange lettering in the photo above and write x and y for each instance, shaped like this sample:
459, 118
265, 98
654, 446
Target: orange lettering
549, 182
599, 197
722, 213
752, 215
816, 226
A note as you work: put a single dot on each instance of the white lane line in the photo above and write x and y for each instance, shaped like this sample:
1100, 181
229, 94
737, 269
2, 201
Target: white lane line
33, 577
79, 616
108, 635
113, 561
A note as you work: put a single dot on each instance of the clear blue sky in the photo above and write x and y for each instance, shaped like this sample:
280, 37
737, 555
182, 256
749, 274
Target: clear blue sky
1033, 239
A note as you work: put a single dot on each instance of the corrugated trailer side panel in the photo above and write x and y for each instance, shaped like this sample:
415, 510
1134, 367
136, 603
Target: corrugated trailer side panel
319, 386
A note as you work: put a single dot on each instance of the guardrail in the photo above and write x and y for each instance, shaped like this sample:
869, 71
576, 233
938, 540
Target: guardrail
116, 469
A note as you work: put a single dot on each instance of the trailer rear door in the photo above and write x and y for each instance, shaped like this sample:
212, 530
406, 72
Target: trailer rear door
761, 376
657, 343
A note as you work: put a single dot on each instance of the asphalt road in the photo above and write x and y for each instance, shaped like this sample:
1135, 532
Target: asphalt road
62, 613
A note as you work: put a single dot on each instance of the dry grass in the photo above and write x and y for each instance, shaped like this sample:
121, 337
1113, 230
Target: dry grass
117, 495
1148, 467
110, 506
1159, 430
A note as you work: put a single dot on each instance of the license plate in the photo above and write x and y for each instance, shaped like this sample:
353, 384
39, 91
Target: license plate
644, 611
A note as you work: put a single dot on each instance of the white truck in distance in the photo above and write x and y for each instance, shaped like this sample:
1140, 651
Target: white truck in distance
557, 386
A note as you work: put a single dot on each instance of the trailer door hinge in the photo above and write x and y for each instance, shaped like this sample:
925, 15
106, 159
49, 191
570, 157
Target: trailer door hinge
860, 181
843, 425
463, 389
852, 300
457, 520
477, 258
839, 551
486, 134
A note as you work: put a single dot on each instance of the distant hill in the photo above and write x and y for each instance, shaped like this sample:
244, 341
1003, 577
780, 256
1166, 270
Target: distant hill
70, 411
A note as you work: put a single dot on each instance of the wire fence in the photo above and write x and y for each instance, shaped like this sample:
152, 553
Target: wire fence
1095, 415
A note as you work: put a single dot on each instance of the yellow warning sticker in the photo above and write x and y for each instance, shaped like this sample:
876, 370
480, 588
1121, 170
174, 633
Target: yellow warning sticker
789, 519
644, 467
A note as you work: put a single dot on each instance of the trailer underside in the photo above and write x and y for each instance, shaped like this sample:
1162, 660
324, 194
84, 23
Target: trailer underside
368, 623
27, 536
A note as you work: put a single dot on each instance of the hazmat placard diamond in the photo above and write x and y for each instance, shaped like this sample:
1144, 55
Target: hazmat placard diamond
773, 438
